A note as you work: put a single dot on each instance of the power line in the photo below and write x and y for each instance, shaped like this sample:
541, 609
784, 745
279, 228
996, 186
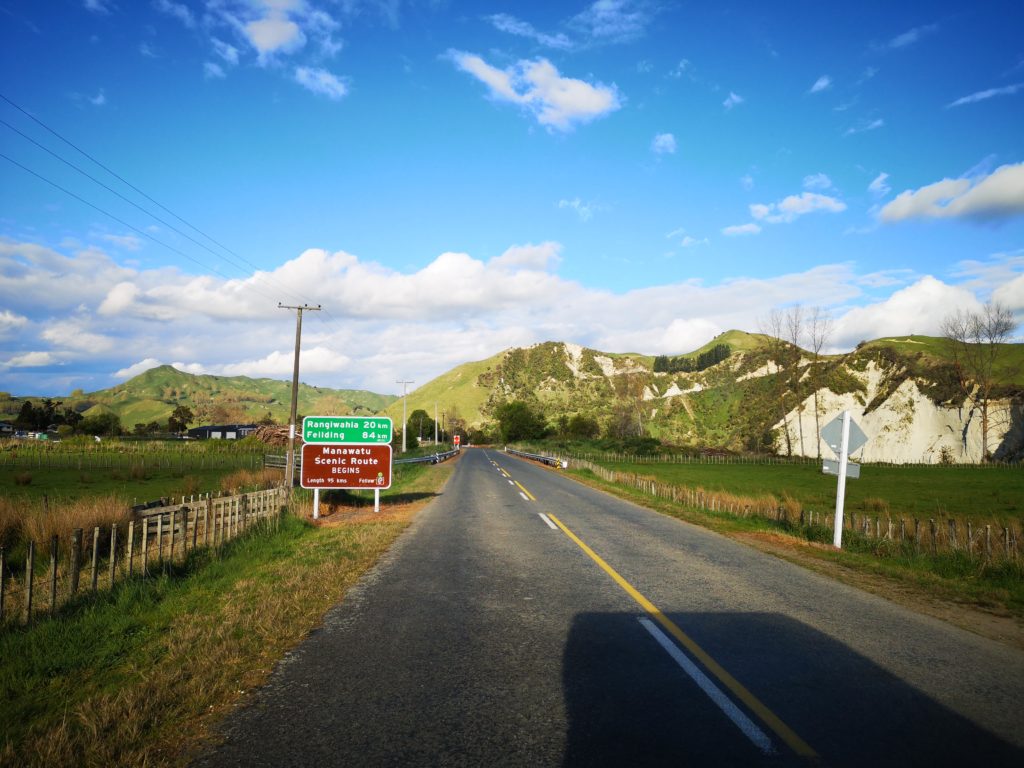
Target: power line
136, 189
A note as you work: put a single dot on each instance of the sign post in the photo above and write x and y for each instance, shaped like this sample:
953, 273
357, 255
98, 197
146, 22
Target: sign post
843, 436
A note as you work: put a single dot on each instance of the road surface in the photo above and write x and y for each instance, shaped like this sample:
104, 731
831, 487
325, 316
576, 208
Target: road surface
526, 620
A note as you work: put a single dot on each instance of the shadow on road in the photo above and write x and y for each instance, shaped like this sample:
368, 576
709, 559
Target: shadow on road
628, 703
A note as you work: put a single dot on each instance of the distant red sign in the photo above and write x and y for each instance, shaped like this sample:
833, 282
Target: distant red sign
345, 466
458, 439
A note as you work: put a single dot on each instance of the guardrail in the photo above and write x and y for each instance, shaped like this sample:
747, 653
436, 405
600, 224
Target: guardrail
552, 461
434, 458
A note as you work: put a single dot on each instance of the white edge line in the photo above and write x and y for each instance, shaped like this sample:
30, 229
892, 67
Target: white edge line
524, 496
547, 520
744, 723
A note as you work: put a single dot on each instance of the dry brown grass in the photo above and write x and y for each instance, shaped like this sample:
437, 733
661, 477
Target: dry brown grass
249, 479
11, 514
39, 524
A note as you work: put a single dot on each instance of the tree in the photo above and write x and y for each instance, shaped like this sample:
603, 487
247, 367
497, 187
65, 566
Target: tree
582, 427
100, 424
795, 332
420, 424
517, 421
976, 339
772, 327
180, 418
819, 330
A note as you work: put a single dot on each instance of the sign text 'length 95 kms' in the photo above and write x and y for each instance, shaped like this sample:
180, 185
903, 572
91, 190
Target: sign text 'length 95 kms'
346, 429
352, 467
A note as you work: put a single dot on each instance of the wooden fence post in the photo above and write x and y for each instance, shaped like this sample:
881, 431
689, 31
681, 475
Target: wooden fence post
3, 581
30, 561
54, 544
935, 550
145, 546
1006, 540
160, 539
917, 536
195, 524
95, 554
76, 556
170, 555
131, 548
953, 543
113, 553
206, 520
988, 543
184, 530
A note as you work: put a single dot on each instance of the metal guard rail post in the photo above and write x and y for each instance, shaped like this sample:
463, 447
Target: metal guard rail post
552, 461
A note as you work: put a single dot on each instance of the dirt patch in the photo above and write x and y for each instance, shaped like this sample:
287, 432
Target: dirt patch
994, 625
341, 514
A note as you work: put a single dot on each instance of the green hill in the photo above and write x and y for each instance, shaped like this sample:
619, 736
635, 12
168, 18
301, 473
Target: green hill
154, 394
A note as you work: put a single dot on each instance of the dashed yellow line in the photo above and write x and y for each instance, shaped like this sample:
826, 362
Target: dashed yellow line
752, 703
529, 495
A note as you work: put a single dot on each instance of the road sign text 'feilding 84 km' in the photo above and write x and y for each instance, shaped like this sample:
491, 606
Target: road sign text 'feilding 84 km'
346, 429
346, 466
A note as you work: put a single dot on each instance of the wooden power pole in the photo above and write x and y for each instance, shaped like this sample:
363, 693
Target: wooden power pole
290, 464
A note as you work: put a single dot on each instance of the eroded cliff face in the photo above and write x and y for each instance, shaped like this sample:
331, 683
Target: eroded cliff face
907, 425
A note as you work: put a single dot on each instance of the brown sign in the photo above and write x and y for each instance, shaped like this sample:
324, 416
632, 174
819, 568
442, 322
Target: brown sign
345, 466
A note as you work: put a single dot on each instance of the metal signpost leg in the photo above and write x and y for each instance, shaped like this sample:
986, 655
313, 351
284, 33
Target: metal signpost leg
376, 499
844, 455
316, 503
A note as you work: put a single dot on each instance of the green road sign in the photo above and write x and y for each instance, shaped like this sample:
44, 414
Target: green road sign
346, 429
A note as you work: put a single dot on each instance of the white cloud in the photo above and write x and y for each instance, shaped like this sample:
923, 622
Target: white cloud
817, 181
147, 50
747, 182
97, 6
864, 125
274, 33
664, 144
128, 242
178, 10
1006, 90
503, 22
1000, 195
794, 206
741, 229
383, 324
880, 187
911, 36
684, 67
556, 102
732, 100
321, 82
612, 21
213, 71
226, 51
99, 99
32, 360
919, 308
11, 322
584, 210
136, 368
690, 242
823, 83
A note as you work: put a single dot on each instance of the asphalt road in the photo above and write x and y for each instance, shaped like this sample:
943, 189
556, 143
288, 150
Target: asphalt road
526, 620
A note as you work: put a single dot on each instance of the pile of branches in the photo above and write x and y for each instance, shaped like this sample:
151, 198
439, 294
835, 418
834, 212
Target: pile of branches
274, 435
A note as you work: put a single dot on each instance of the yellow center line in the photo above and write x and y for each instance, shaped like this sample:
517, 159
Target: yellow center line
768, 717
529, 495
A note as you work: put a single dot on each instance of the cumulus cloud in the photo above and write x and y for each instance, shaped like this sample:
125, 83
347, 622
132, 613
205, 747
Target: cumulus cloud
664, 144
556, 102
732, 100
741, 229
995, 197
321, 82
504, 22
1006, 90
382, 324
792, 207
823, 83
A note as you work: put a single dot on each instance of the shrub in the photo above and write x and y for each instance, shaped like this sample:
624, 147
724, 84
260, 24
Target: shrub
23, 478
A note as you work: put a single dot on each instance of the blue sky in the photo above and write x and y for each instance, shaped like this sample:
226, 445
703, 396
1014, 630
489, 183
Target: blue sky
449, 179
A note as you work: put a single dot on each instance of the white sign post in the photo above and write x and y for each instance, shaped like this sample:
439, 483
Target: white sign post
316, 503
844, 437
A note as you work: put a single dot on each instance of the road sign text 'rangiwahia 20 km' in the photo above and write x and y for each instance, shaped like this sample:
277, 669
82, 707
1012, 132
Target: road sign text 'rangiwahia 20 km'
346, 429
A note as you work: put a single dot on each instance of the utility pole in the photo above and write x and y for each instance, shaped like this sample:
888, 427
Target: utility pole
290, 464
435, 426
404, 399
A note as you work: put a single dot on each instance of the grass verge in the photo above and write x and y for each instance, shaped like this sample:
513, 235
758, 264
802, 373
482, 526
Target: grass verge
138, 676
985, 599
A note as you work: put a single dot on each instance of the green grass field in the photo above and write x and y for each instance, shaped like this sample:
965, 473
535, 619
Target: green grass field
964, 493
